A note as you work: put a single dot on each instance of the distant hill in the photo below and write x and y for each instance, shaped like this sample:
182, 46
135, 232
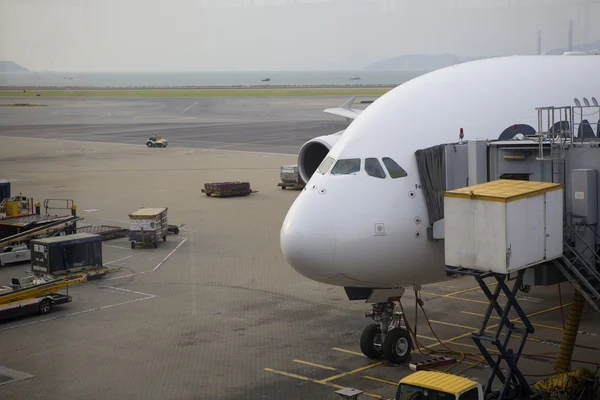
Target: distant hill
583, 47
423, 62
11, 66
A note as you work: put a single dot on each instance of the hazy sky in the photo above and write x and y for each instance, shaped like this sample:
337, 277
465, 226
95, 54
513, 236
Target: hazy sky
154, 35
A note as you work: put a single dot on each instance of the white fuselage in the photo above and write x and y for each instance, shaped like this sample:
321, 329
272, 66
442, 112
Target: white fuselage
330, 233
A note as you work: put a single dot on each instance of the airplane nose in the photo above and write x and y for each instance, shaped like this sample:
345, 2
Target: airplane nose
308, 245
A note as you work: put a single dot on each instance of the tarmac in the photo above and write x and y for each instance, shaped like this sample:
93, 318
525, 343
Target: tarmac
214, 312
279, 125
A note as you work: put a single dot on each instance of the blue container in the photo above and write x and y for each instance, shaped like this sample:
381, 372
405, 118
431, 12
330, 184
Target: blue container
4, 190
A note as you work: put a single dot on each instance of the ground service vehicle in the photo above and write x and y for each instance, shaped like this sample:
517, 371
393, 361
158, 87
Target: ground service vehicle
433, 385
148, 226
156, 141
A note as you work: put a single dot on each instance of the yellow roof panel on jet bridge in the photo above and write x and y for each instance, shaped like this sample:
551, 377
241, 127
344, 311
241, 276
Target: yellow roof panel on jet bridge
439, 381
503, 190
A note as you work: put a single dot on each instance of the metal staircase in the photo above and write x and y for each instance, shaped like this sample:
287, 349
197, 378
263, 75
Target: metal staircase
580, 266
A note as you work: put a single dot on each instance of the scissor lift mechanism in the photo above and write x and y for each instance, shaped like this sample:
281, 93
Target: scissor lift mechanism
514, 384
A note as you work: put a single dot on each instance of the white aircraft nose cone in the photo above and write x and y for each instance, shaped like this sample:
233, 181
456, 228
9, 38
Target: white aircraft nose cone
309, 247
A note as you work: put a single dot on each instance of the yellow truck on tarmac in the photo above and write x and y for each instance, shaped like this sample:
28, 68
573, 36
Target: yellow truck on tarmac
433, 385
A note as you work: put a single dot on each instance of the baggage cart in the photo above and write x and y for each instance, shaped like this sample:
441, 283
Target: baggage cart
227, 189
148, 226
290, 178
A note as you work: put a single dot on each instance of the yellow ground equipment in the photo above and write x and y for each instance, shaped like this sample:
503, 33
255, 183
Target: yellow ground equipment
156, 141
16, 206
429, 385
34, 293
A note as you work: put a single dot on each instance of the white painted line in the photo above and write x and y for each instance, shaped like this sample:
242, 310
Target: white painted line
121, 259
128, 291
169, 255
117, 247
188, 230
148, 297
183, 112
125, 276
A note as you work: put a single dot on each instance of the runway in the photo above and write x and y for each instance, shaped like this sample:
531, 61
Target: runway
274, 125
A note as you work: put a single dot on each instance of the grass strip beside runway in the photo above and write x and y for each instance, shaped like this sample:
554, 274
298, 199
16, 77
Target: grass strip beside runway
196, 92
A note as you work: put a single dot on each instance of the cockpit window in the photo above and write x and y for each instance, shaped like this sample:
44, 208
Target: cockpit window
373, 168
394, 169
325, 165
347, 166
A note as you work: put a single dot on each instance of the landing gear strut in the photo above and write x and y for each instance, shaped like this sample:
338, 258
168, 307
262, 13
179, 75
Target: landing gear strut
386, 338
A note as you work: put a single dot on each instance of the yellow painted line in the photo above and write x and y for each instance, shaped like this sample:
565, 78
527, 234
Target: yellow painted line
315, 365
557, 328
307, 379
444, 286
354, 371
427, 337
470, 289
348, 351
455, 298
496, 325
380, 380
451, 324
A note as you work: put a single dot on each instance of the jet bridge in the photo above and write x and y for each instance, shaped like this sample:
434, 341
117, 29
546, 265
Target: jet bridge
539, 191
563, 149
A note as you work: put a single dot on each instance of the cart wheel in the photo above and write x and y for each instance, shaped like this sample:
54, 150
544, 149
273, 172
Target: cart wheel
45, 306
133, 245
283, 188
177, 231
208, 194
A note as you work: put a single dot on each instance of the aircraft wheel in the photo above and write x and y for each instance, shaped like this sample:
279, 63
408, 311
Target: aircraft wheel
371, 341
397, 346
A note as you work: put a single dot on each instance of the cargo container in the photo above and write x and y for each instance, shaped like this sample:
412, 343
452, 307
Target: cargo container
66, 254
148, 226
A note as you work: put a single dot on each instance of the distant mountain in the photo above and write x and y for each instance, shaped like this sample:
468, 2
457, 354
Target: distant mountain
11, 66
417, 62
582, 47
422, 62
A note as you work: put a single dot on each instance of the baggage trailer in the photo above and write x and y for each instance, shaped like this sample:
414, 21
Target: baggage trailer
148, 226
227, 189
33, 294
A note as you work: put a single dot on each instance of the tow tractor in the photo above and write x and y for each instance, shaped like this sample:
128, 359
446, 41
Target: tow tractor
156, 141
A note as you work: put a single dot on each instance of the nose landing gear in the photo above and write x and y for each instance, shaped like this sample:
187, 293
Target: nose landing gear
387, 338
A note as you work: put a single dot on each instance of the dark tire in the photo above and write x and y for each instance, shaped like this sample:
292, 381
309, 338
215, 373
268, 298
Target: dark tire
370, 342
165, 144
283, 187
397, 346
45, 307
149, 144
165, 238
176, 231
133, 245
